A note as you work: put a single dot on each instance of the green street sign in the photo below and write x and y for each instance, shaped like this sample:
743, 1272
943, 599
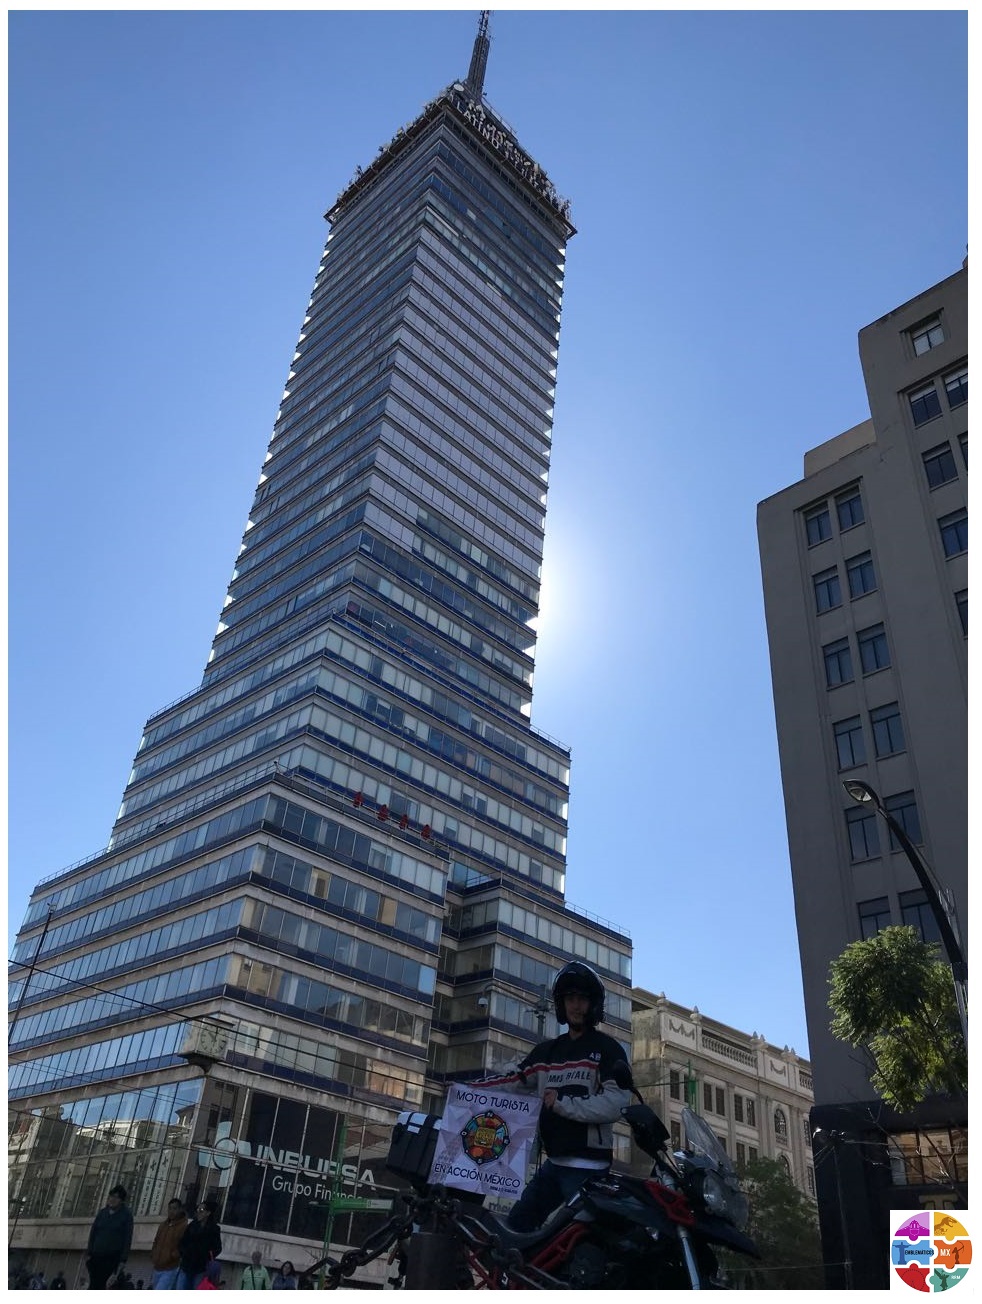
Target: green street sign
355, 1204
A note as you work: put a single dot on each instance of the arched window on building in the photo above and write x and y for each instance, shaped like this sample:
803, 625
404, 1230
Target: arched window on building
781, 1125
787, 1167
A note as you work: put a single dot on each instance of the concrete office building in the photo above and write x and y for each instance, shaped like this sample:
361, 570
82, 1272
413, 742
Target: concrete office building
865, 579
755, 1096
337, 878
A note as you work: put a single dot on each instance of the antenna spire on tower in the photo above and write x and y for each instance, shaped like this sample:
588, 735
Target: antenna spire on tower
479, 58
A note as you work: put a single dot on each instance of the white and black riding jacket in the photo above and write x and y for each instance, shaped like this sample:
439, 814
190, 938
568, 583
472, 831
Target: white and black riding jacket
579, 1125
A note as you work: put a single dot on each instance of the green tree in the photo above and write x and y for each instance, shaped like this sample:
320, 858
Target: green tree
784, 1226
892, 996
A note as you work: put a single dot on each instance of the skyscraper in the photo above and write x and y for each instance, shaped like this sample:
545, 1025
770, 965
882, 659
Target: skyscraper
336, 880
865, 567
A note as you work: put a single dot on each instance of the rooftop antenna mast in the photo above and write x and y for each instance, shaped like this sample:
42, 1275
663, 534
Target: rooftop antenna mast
479, 58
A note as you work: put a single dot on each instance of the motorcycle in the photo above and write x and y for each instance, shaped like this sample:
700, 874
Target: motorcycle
616, 1232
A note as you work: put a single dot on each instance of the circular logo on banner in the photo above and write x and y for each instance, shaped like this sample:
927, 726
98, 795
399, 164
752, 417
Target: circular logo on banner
931, 1250
485, 1138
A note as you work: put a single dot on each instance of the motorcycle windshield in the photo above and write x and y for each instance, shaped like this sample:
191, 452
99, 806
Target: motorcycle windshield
703, 1139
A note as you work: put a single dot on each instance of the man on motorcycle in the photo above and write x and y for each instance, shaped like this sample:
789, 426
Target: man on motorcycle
583, 1079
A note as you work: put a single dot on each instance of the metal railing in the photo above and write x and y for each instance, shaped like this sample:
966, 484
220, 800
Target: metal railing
735, 1053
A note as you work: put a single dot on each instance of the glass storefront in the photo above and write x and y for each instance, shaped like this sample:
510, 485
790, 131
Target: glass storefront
62, 1159
272, 1163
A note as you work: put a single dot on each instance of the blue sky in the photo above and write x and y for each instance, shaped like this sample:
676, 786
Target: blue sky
750, 190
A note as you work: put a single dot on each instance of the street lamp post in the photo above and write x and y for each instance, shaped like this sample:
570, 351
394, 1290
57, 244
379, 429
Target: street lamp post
834, 1140
939, 898
540, 1009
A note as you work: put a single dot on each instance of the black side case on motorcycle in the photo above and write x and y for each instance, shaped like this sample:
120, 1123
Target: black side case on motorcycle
434, 1259
412, 1146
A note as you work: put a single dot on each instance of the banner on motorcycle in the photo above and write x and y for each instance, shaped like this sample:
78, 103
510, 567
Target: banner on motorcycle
485, 1140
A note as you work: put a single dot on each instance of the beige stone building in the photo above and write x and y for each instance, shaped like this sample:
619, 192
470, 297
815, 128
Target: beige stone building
755, 1096
865, 576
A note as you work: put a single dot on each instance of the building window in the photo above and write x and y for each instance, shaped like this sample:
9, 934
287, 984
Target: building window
924, 404
931, 1158
939, 465
961, 602
873, 916
675, 1128
807, 1130
810, 1180
849, 508
888, 729
864, 836
751, 1154
741, 1154
917, 914
963, 441
873, 651
818, 525
928, 335
838, 663
675, 1084
956, 387
713, 1099
903, 808
781, 1125
828, 593
862, 577
744, 1110
849, 742
954, 533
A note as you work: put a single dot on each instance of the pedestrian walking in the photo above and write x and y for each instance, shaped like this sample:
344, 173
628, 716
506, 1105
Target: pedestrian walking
201, 1244
165, 1253
286, 1278
254, 1275
110, 1237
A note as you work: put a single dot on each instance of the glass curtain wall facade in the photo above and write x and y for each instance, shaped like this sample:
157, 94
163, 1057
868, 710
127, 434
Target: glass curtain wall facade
339, 862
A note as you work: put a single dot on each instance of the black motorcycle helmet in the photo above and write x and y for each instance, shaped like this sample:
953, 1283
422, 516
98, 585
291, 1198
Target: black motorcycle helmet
579, 977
